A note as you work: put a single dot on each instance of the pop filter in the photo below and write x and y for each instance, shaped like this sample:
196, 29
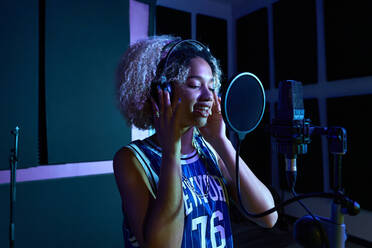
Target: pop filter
243, 103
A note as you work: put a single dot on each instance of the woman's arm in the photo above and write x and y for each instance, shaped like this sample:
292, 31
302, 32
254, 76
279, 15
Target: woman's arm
256, 197
155, 221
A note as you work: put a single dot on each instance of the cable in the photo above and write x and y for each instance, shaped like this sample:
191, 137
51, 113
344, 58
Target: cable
317, 222
303, 205
336, 196
295, 198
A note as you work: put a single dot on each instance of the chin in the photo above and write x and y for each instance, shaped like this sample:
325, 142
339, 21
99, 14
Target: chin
201, 122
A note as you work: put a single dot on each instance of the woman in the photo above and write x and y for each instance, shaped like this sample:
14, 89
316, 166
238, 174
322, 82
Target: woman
176, 185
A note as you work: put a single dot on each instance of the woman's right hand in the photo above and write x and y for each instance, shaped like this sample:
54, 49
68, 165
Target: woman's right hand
167, 123
156, 218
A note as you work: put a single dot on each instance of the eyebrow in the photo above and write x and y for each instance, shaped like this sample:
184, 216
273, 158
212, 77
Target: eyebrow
199, 78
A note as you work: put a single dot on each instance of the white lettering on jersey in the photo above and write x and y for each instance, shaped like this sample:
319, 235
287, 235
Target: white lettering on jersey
219, 190
187, 201
217, 230
201, 223
199, 182
214, 195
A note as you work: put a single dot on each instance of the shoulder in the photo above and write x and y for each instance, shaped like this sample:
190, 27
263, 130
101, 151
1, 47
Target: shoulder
125, 163
129, 172
122, 154
124, 158
134, 189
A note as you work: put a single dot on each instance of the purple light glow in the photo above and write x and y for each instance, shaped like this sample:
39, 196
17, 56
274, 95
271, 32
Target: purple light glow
139, 20
58, 171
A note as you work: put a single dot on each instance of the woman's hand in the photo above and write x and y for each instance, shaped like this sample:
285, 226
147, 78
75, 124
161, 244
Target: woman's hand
215, 129
165, 217
167, 123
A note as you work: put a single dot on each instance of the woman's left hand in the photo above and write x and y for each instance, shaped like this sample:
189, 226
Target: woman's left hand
215, 129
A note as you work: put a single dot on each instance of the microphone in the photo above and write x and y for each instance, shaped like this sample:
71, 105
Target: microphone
15, 133
289, 127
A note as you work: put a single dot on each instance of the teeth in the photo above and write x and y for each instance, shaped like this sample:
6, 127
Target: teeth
205, 111
203, 108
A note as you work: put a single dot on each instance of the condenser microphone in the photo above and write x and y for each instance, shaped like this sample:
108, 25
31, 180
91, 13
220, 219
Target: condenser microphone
289, 126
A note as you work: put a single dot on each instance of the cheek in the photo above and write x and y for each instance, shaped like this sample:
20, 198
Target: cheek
186, 98
176, 93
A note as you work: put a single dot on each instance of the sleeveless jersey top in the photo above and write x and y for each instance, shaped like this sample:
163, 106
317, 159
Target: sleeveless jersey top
207, 221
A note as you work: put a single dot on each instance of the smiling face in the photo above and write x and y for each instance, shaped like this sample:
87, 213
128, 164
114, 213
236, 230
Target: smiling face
196, 94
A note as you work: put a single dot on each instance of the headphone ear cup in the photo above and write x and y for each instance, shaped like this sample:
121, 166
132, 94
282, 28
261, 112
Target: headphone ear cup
166, 85
154, 91
163, 84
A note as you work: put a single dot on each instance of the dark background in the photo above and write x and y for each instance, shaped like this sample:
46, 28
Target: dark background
295, 52
58, 61
57, 76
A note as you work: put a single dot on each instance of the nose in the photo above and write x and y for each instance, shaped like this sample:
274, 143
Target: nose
206, 94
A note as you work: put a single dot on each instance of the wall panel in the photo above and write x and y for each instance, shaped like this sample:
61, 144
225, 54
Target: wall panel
84, 41
19, 80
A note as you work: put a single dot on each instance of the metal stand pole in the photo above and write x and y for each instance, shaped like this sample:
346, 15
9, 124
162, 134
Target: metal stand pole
13, 169
337, 147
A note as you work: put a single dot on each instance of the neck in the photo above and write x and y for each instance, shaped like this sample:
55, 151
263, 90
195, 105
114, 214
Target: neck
186, 141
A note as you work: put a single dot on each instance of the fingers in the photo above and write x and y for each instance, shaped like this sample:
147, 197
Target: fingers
156, 114
161, 100
216, 104
167, 103
176, 112
155, 108
166, 108
167, 120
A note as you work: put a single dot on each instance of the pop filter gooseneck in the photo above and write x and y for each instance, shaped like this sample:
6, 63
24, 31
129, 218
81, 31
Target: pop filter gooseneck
243, 105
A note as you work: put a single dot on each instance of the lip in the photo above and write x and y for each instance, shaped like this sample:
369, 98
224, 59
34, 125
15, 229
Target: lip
202, 109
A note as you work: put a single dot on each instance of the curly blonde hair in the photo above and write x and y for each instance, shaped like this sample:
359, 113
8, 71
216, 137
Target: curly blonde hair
138, 68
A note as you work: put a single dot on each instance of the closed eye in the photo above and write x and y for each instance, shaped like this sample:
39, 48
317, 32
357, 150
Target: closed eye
193, 86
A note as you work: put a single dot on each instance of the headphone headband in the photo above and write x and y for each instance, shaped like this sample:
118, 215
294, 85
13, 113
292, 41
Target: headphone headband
179, 43
160, 78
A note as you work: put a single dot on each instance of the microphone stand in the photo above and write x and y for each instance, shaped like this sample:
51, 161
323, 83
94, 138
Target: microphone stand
334, 226
292, 133
13, 169
292, 139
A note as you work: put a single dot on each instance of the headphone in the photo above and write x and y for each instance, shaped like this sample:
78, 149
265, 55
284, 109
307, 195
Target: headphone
161, 81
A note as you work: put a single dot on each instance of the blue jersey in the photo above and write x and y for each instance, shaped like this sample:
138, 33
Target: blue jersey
206, 205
